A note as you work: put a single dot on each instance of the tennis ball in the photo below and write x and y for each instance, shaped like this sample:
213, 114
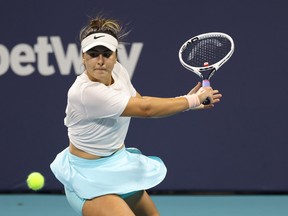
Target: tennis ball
35, 181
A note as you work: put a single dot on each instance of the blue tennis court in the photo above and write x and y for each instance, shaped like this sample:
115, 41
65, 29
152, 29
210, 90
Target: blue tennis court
168, 205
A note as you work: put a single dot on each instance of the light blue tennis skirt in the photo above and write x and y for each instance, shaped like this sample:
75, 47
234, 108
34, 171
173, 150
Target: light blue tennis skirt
125, 171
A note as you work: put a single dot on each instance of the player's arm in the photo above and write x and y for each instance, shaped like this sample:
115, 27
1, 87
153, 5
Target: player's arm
149, 107
146, 106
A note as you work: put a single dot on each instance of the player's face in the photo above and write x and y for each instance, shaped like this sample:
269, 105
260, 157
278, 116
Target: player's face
99, 63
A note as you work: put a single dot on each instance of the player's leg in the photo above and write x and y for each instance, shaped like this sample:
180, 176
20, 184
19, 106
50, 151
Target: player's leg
141, 204
106, 206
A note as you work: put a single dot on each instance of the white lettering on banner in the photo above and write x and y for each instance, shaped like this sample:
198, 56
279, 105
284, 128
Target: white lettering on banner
4, 59
130, 61
25, 59
22, 53
72, 56
43, 49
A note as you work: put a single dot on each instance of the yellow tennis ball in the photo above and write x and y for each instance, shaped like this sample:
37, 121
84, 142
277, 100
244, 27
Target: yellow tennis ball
35, 181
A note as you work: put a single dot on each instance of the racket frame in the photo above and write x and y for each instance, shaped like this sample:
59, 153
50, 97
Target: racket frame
211, 68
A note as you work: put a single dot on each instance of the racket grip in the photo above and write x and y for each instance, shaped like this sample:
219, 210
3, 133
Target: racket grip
206, 83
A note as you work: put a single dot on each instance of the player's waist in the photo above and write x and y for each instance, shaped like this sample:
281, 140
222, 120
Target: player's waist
85, 154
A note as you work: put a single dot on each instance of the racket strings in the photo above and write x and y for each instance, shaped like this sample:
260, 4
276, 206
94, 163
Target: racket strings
207, 50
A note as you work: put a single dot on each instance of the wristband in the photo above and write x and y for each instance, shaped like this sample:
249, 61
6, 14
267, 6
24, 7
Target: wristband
193, 100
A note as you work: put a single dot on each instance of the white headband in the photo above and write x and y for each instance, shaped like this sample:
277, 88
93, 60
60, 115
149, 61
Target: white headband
99, 39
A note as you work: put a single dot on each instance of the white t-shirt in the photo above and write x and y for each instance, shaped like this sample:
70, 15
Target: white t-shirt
93, 112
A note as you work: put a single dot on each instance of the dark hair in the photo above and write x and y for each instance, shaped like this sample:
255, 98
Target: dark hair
101, 24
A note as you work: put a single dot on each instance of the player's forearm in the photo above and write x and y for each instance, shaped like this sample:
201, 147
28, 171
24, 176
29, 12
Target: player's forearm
161, 107
153, 107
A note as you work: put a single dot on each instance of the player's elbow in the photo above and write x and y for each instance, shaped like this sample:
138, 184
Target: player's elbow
147, 112
144, 108
141, 107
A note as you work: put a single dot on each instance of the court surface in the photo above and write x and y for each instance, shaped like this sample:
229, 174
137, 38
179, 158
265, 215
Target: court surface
168, 205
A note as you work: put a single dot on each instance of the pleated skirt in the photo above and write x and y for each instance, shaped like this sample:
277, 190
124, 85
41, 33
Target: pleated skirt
125, 171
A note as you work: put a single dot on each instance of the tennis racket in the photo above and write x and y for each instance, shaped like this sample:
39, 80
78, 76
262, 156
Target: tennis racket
205, 54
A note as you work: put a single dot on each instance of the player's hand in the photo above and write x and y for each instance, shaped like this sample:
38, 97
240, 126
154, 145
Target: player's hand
207, 92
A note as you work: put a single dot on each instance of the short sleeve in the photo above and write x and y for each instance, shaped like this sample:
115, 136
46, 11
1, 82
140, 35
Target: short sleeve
101, 101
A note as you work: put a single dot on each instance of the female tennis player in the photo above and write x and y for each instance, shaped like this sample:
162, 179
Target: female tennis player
100, 175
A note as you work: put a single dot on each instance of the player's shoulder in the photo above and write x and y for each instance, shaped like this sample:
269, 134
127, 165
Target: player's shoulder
83, 83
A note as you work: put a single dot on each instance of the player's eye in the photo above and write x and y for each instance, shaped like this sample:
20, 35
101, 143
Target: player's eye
107, 54
95, 54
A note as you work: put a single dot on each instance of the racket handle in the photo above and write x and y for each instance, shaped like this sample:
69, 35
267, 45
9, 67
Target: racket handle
206, 83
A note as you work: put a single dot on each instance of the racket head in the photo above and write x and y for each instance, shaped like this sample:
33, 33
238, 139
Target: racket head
206, 53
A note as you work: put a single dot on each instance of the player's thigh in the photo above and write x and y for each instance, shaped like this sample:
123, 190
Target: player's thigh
142, 205
106, 206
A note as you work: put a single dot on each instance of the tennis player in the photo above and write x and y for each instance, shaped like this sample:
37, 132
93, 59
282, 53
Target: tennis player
100, 175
